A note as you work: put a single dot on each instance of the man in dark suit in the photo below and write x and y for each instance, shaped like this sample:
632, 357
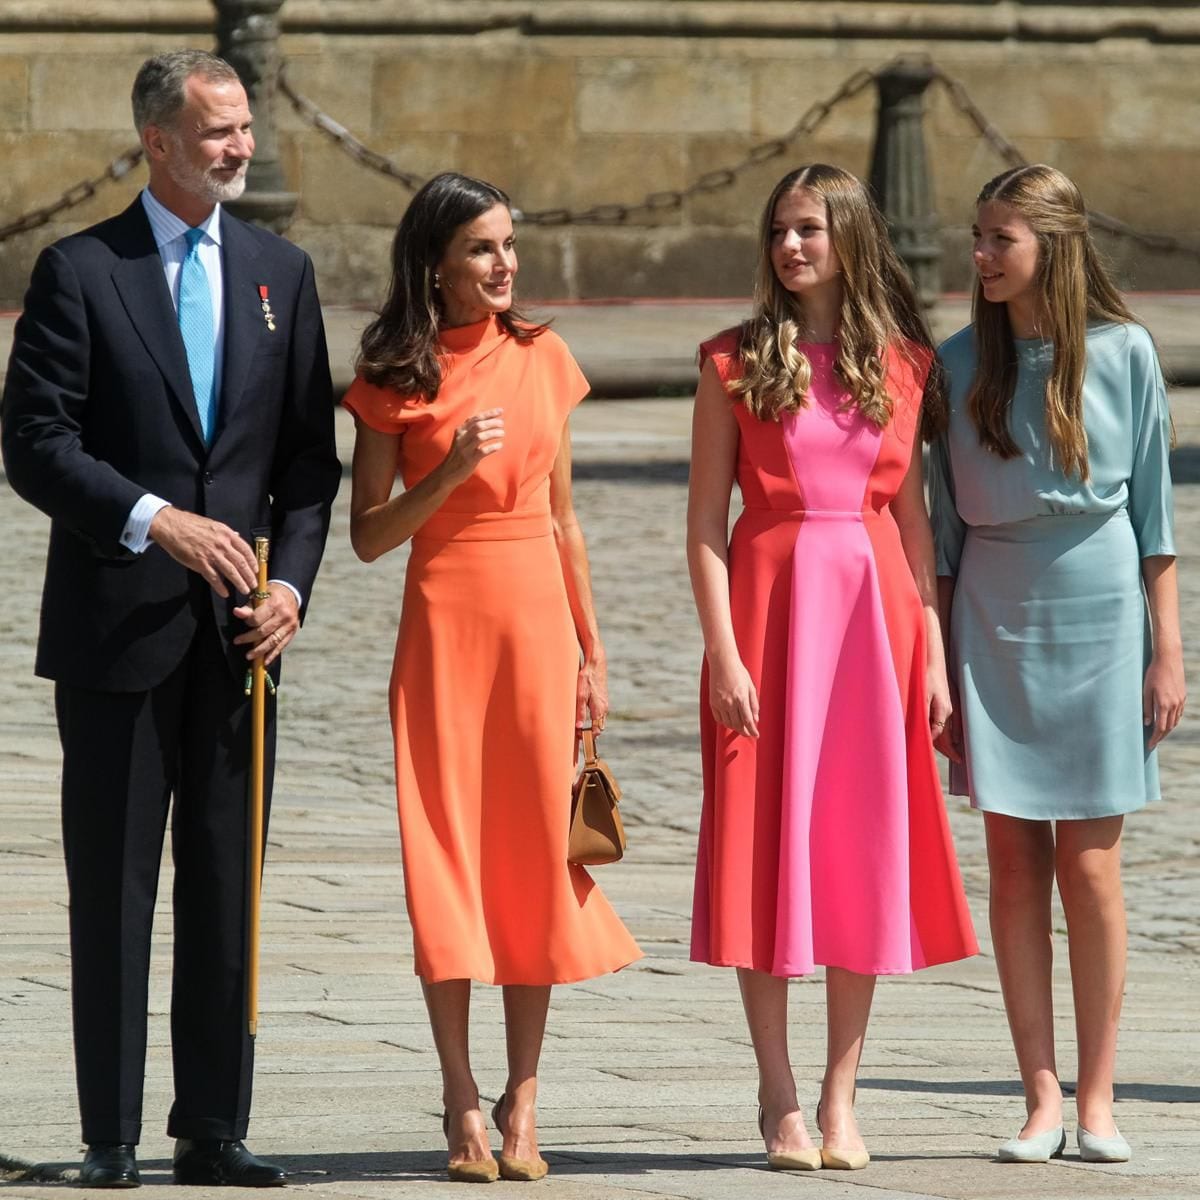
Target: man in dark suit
167, 398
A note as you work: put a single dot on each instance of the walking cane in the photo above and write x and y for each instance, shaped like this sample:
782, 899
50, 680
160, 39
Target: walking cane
258, 708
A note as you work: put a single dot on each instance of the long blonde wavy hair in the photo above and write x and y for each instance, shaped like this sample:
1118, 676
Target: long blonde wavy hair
1073, 289
879, 310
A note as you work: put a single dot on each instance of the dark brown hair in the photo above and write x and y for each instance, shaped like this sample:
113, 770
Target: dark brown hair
399, 349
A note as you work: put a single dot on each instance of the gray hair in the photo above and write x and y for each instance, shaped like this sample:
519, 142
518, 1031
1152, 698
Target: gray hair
159, 89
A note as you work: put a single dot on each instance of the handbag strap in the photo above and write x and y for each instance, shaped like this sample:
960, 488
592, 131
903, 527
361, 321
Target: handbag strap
589, 746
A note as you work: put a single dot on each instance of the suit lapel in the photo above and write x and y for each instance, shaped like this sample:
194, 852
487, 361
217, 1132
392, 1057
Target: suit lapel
245, 325
142, 286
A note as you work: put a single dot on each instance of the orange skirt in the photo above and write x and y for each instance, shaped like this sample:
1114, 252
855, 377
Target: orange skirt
482, 701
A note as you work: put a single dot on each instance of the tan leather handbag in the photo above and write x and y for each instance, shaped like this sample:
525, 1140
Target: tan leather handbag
597, 835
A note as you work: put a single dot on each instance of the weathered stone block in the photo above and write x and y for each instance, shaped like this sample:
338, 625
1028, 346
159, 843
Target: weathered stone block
14, 92
83, 91
352, 262
541, 171
624, 169
785, 89
338, 84
336, 189
663, 262
501, 159
662, 95
464, 93
540, 253
740, 204
39, 167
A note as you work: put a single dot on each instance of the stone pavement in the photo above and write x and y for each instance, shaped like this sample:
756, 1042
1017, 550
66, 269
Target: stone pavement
648, 1080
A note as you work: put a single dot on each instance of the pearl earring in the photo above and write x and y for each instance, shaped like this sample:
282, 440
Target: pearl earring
437, 280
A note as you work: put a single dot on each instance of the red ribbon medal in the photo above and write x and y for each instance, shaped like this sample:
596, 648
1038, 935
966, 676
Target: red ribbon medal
265, 297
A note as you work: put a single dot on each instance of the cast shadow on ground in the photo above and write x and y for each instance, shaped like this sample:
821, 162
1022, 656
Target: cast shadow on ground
669, 471
1185, 464
412, 1166
1154, 1093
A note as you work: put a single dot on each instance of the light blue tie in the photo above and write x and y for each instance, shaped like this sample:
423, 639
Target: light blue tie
196, 326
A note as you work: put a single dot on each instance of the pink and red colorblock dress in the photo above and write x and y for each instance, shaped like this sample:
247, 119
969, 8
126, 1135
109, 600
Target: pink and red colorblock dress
825, 841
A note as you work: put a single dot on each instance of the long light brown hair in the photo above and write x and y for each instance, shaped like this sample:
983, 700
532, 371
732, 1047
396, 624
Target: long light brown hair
1073, 289
879, 310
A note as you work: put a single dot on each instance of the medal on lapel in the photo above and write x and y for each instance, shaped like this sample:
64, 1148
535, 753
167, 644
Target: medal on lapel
268, 315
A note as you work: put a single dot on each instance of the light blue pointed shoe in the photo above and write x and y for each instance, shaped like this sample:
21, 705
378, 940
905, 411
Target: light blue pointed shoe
1113, 1149
1039, 1149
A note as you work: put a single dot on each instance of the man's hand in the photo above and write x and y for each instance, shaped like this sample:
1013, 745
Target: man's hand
207, 547
270, 626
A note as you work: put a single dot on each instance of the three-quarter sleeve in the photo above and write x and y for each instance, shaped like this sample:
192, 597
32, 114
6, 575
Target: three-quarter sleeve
949, 529
1151, 505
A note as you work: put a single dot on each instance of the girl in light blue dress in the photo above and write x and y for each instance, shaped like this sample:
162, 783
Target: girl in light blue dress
1052, 514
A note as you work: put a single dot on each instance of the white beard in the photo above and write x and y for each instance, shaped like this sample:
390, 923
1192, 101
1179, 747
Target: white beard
202, 182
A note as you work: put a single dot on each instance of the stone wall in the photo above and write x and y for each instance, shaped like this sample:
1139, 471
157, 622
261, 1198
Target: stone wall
578, 102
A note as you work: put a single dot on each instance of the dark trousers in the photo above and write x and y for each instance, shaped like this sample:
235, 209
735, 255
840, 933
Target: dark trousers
125, 756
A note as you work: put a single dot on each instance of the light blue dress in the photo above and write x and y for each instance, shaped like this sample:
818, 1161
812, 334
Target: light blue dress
1049, 630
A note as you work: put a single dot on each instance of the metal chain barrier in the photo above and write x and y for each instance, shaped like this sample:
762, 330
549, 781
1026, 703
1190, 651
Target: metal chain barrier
613, 213
711, 181
598, 214
84, 190
344, 138
961, 100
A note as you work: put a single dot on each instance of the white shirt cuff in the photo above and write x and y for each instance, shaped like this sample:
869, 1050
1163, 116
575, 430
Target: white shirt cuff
295, 591
136, 534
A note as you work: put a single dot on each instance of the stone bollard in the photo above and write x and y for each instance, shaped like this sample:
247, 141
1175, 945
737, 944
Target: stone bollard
900, 175
248, 39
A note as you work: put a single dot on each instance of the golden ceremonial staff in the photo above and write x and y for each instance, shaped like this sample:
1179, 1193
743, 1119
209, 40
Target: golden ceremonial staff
258, 708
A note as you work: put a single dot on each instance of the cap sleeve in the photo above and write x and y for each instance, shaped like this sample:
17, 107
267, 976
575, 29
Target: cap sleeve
949, 529
722, 351
568, 380
380, 408
908, 368
1151, 504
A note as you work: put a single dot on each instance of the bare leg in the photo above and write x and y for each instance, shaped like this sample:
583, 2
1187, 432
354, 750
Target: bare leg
449, 1005
764, 998
1021, 865
1088, 862
524, 1028
848, 1007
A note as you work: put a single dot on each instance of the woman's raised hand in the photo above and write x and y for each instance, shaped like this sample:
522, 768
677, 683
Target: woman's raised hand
474, 440
732, 696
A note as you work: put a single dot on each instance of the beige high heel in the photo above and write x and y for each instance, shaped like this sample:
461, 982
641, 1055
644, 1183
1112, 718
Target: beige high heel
790, 1160
482, 1171
518, 1170
840, 1160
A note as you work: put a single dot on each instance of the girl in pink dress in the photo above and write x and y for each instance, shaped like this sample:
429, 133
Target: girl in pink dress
824, 837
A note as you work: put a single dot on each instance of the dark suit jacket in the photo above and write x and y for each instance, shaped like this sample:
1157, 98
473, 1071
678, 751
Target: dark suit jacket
98, 410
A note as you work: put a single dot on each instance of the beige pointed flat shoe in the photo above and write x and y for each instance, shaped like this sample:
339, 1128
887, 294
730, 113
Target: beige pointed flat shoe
518, 1170
485, 1170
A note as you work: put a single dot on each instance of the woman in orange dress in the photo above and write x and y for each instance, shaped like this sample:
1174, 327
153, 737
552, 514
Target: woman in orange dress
498, 645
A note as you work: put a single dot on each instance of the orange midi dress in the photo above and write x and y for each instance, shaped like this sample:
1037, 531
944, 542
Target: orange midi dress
484, 677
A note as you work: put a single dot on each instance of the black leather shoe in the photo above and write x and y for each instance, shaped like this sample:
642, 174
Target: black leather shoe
215, 1164
109, 1165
